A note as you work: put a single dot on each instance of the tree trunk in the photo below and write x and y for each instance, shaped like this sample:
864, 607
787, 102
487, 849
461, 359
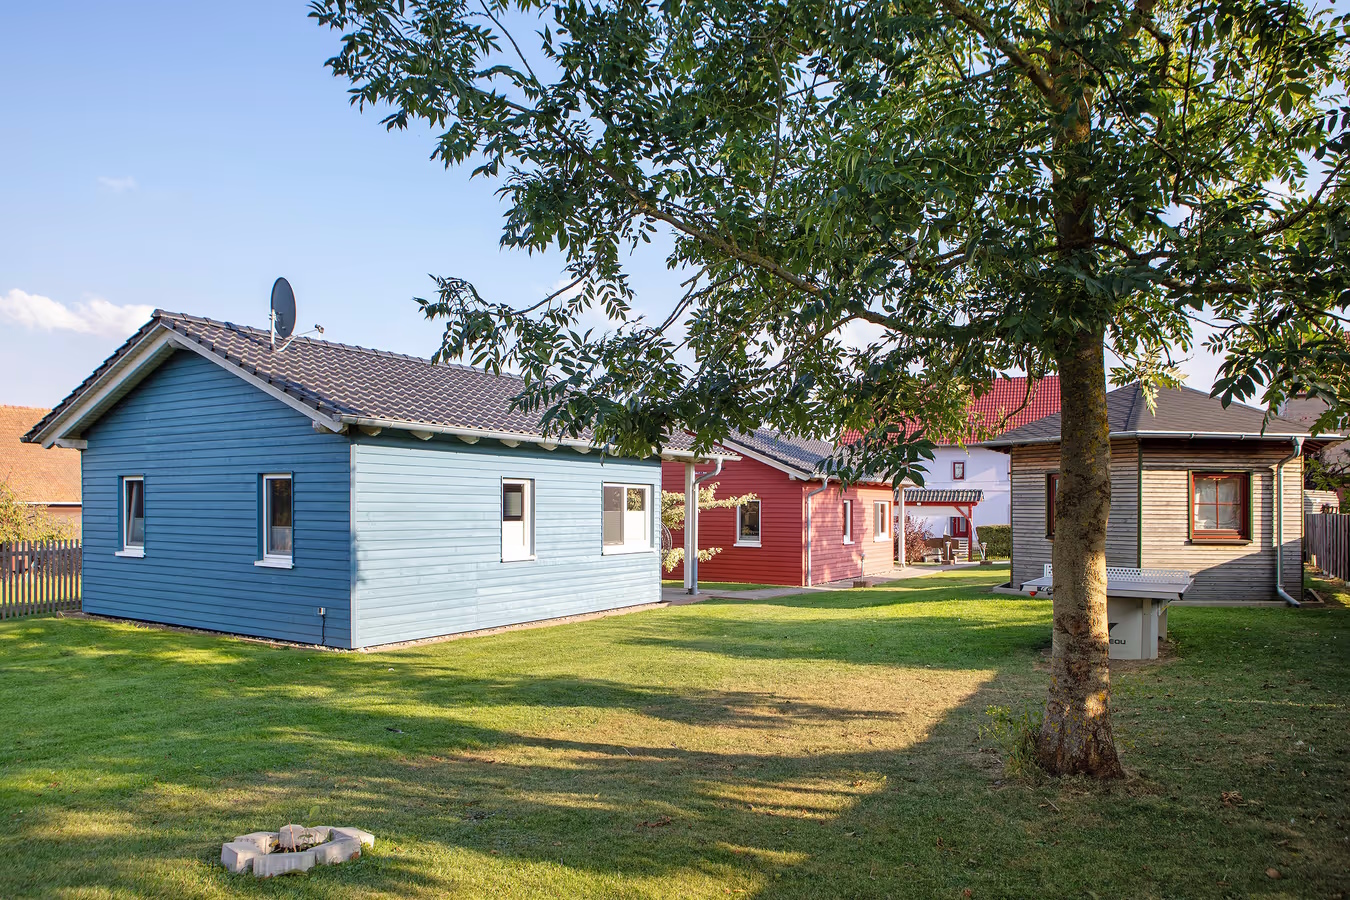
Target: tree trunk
1076, 737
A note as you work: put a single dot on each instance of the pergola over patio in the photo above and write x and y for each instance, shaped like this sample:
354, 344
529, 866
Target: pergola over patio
942, 502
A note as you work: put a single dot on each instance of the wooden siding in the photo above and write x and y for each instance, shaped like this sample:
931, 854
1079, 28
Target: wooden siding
1243, 571
1031, 548
427, 538
831, 558
781, 556
202, 437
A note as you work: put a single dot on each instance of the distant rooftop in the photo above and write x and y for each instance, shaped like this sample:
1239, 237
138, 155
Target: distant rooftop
33, 475
1180, 412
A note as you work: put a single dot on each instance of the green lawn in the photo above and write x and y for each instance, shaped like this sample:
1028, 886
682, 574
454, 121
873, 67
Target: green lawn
818, 746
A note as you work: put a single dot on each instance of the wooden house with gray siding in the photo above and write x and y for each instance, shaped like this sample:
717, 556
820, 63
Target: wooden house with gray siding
1194, 486
332, 494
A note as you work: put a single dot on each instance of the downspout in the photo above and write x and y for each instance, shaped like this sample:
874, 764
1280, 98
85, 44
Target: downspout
1279, 523
809, 494
691, 564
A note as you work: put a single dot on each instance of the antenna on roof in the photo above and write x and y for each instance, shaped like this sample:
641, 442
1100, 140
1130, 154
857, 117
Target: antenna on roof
281, 319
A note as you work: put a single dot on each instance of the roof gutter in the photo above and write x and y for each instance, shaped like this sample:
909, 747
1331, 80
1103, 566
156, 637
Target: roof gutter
1279, 522
1189, 435
582, 446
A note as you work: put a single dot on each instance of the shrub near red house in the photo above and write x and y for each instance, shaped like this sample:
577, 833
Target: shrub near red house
766, 541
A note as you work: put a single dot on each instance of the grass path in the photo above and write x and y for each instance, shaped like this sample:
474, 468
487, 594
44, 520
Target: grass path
818, 746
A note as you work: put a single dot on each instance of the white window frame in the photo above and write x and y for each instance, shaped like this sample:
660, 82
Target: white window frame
628, 545
129, 549
522, 551
275, 560
848, 521
748, 542
877, 507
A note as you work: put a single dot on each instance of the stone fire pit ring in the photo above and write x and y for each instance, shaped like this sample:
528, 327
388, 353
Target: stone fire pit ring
293, 849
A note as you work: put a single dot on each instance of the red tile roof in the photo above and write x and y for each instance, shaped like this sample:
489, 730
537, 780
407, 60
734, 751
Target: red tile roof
1001, 408
1006, 395
33, 474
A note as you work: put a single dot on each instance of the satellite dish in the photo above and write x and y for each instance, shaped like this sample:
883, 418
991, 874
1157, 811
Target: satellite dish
283, 308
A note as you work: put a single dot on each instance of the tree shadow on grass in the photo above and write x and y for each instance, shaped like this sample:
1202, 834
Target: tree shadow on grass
842, 767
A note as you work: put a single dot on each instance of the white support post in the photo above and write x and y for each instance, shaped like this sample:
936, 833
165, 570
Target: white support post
900, 494
690, 530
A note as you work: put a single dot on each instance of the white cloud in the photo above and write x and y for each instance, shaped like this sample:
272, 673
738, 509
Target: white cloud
93, 315
118, 185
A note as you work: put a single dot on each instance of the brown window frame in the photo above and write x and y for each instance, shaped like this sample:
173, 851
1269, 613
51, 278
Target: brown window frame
1051, 493
1244, 531
958, 470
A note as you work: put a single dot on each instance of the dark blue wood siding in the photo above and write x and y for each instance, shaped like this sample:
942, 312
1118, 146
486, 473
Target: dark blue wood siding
428, 537
202, 437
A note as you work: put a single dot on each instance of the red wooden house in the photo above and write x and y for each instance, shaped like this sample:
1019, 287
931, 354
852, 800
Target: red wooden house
802, 530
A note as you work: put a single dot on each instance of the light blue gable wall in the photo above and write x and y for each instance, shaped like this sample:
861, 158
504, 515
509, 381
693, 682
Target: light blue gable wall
201, 437
428, 537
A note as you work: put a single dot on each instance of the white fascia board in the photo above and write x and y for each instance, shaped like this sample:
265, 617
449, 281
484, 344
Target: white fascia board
182, 343
1183, 435
795, 473
799, 474
139, 361
511, 439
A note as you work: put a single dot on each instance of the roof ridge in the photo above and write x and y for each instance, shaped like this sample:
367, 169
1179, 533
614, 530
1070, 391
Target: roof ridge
339, 345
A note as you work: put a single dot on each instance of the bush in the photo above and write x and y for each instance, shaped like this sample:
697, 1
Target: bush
916, 541
21, 522
999, 539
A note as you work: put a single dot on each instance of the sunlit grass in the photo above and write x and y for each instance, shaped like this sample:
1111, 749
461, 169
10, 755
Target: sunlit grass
824, 745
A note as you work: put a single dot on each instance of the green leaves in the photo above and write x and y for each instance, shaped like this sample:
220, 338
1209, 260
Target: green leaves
875, 208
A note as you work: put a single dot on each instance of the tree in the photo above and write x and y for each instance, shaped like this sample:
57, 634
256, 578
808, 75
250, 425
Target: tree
20, 521
672, 517
876, 207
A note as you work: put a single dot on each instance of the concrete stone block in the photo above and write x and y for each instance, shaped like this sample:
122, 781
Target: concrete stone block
274, 864
260, 839
337, 851
238, 856
365, 837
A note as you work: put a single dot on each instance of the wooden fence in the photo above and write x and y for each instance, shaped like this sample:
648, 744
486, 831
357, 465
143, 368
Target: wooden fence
39, 577
1326, 543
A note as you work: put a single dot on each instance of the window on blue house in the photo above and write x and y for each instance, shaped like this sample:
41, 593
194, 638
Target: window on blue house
133, 516
278, 521
517, 519
626, 517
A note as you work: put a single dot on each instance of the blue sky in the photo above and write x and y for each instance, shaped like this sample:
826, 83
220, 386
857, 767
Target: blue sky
183, 155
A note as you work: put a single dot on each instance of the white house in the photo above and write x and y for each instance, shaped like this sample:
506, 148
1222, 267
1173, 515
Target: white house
955, 467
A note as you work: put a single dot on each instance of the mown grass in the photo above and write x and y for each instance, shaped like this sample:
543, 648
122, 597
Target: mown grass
818, 746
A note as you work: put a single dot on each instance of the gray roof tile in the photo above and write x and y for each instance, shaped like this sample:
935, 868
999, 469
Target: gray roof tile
341, 380
943, 495
1180, 411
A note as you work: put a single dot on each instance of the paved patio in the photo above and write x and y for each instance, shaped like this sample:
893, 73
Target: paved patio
677, 595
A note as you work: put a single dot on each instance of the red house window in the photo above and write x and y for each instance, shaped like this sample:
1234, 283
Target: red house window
958, 471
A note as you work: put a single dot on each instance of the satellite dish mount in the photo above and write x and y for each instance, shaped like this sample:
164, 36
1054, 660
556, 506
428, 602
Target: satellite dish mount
281, 318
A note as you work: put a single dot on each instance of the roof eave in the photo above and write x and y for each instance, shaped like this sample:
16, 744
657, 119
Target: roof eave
578, 444
1000, 443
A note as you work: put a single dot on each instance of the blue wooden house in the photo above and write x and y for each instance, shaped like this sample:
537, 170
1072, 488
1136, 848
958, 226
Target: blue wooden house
338, 495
